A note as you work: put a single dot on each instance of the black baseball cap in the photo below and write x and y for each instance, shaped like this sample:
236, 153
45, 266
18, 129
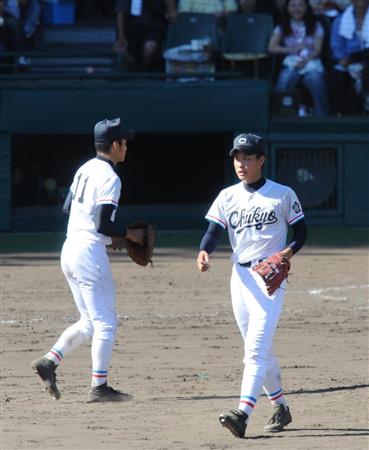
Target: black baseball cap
110, 130
248, 143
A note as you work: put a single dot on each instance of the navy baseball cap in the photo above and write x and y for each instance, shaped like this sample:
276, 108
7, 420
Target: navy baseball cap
111, 130
248, 143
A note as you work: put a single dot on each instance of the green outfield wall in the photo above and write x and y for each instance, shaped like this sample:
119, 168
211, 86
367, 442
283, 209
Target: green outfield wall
325, 160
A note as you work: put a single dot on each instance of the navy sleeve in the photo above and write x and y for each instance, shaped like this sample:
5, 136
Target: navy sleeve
211, 237
104, 223
299, 236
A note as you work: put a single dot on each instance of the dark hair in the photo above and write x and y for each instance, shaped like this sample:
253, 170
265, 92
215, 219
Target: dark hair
309, 19
104, 147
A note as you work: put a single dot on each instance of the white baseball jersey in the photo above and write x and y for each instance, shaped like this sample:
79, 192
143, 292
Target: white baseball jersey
257, 222
95, 183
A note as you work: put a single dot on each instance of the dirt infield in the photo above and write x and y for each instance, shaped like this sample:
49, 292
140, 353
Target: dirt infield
179, 353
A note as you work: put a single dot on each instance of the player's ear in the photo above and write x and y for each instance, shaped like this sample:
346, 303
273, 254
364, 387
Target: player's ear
262, 159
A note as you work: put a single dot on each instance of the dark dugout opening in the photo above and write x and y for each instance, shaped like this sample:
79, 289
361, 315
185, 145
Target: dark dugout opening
159, 168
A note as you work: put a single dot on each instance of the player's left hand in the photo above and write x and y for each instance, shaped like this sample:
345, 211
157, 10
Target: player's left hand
203, 261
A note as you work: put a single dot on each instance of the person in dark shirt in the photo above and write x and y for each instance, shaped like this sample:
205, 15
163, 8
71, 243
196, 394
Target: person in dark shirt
141, 27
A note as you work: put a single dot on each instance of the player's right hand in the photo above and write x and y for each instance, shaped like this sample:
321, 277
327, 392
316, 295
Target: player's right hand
203, 261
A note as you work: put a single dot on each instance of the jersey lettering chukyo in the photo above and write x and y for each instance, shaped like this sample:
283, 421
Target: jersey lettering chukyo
95, 183
257, 222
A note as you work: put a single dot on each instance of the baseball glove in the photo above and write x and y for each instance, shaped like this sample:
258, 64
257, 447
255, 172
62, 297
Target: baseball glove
140, 254
273, 271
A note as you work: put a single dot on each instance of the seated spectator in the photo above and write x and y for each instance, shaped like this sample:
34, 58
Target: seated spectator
30, 16
350, 51
299, 39
218, 7
28, 12
10, 29
141, 27
18, 22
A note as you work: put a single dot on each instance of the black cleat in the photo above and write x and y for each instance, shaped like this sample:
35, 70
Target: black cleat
105, 393
280, 418
235, 421
45, 369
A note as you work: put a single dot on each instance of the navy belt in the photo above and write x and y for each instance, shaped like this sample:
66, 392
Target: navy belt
250, 263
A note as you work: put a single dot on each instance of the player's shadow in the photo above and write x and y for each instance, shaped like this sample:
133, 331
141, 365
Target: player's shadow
341, 431
293, 392
328, 389
324, 432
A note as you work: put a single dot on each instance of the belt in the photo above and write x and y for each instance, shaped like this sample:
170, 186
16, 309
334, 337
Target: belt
250, 263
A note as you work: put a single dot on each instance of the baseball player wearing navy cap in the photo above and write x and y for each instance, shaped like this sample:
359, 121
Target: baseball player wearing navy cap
91, 204
256, 213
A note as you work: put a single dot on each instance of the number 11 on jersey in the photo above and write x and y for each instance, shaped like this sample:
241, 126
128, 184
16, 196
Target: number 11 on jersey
80, 199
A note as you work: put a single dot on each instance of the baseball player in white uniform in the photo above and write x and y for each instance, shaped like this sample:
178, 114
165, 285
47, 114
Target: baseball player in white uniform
92, 203
256, 213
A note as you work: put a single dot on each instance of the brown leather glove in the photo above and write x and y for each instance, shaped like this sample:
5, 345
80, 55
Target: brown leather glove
140, 254
274, 270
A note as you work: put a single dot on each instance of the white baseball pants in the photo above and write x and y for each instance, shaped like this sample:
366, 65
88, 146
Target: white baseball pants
257, 316
86, 267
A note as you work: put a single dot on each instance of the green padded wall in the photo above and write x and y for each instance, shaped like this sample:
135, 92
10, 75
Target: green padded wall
147, 107
356, 190
5, 174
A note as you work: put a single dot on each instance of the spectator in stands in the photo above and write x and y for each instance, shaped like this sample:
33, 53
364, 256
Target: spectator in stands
18, 22
27, 12
299, 39
218, 7
350, 50
30, 13
10, 29
141, 27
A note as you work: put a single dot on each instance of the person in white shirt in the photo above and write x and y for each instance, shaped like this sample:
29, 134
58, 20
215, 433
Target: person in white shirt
92, 203
256, 213
299, 40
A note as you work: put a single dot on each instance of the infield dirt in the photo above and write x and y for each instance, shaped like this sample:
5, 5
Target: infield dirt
179, 352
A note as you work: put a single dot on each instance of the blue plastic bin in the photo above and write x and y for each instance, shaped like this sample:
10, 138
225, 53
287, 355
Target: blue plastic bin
62, 13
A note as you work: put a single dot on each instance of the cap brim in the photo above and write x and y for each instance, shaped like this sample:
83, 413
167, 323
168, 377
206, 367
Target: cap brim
128, 135
247, 150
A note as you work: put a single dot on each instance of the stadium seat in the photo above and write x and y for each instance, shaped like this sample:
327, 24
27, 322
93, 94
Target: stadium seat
190, 26
191, 45
246, 38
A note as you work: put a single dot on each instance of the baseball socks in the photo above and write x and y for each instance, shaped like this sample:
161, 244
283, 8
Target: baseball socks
101, 352
70, 339
54, 355
277, 398
247, 404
